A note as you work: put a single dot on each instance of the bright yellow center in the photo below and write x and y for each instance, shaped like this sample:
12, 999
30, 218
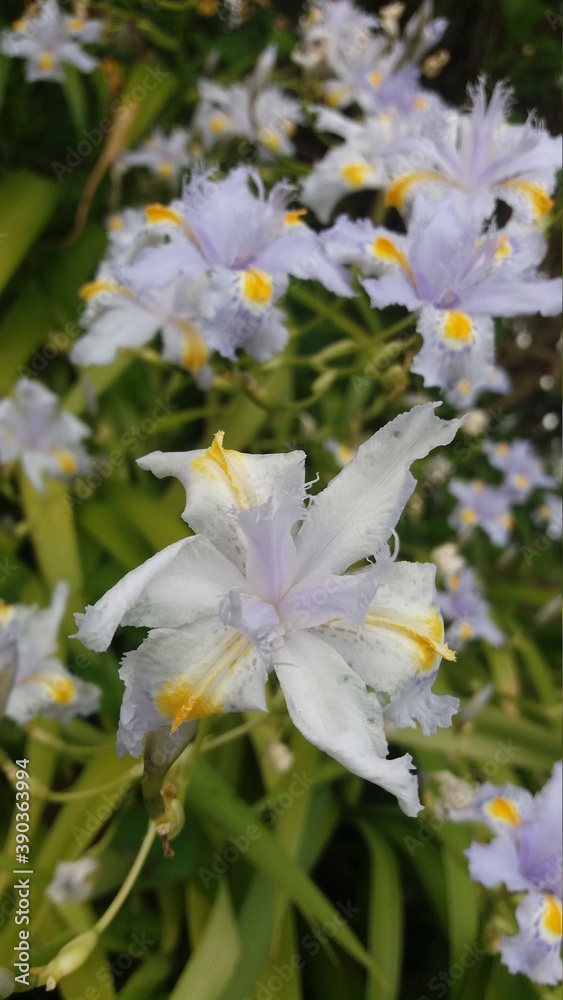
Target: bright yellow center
295, 217
506, 810
66, 462
115, 223
165, 170
421, 103
468, 516
257, 286
464, 387
521, 481
457, 327
507, 521
46, 61
75, 25
466, 632
269, 139
356, 174
375, 78
218, 124
61, 689
333, 97
160, 213
552, 915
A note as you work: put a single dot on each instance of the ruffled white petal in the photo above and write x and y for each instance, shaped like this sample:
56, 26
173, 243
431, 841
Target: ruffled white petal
331, 706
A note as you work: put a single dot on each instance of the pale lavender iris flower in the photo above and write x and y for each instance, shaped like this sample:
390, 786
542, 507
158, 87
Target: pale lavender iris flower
482, 506
522, 468
468, 611
48, 41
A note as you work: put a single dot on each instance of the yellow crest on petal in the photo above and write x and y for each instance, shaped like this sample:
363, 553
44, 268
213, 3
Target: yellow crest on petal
506, 810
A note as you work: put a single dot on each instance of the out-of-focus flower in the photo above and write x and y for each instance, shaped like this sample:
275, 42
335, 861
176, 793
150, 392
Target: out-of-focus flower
234, 251
526, 856
550, 513
481, 155
8, 661
49, 40
457, 278
255, 591
333, 32
482, 506
362, 163
35, 431
468, 611
466, 391
72, 881
448, 559
522, 468
166, 156
265, 115
42, 685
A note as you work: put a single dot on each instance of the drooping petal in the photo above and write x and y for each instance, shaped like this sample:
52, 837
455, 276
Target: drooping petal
497, 862
355, 515
182, 674
331, 706
220, 481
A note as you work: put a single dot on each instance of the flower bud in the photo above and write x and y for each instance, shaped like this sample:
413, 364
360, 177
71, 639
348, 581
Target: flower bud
69, 959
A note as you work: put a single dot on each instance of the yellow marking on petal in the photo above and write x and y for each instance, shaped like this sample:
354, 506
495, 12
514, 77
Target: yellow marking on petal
257, 286
428, 637
219, 123
7, 612
507, 521
179, 700
375, 78
356, 174
466, 632
552, 916
65, 460
537, 197
400, 188
521, 481
504, 248
504, 809
458, 327
345, 453
269, 139
295, 217
421, 103
468, 516
334, 97
385, 249
20, 24
219, 462
196, 351
503, 449
93, 288
46, 61
62, 690
165, 170
160, 213
454, 582
115, 223
289, 127
75, 25
478, 485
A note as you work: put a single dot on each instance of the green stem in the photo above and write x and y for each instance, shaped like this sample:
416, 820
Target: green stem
115, 906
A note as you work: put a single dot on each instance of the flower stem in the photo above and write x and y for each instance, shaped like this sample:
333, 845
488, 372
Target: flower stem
115, 906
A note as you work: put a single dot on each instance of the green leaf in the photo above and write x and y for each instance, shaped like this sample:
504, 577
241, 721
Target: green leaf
27, 202
73, 88
385, 934
204, 976
211, 797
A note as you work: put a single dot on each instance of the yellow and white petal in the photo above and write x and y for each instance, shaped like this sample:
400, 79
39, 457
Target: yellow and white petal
183, 674
529, 199
404, 186
218, 480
